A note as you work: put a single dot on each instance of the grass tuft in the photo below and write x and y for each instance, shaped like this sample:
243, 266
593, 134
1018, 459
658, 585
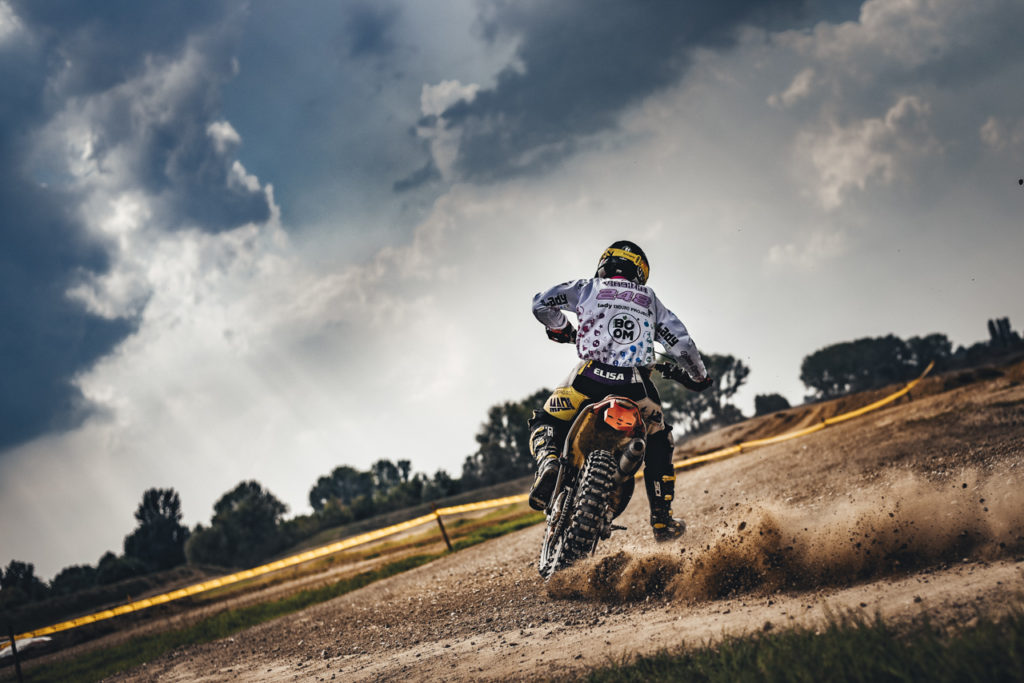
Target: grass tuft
485, 533
849, 650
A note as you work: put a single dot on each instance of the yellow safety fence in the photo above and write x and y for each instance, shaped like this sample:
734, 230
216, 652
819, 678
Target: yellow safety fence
836, 419
378, 534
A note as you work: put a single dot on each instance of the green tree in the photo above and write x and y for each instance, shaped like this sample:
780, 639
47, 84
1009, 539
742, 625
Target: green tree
769, 403
159, 539
933, 347
401, 495
441, 485
334, 513
503, 450
208, 545
19, 584
404, 469
852, 366
113, 568
870, 363
699, 412
245, 529
385, 475
344, 484
73, 579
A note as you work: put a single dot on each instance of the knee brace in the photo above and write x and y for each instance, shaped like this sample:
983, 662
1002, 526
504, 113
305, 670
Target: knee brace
659, 452
659, 475
547, 434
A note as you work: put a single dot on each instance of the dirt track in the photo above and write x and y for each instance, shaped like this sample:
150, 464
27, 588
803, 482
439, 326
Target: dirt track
917, 508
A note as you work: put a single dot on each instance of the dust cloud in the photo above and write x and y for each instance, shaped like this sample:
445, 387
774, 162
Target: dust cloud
903, 524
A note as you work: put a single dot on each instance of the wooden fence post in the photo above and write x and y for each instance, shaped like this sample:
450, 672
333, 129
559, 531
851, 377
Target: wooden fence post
444, 531
14, 652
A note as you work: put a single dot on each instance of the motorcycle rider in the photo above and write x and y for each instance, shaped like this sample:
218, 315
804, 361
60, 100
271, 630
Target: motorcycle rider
620, 318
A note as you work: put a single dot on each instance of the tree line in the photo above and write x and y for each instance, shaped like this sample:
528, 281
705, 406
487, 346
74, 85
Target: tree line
874, 362
248, 524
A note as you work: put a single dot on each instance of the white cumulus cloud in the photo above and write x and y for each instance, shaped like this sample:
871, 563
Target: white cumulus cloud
1001, 134
797, 90
812, 253
847, 157
435, 99
224, 136
10, 25
444, 141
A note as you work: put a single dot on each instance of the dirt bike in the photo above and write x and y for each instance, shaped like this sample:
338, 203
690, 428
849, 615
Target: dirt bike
603, 451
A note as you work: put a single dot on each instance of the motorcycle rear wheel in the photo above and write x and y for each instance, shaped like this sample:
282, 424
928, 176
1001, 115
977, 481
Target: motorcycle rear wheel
586, 512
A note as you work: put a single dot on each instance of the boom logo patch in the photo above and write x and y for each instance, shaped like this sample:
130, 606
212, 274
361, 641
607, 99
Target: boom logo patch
625, 328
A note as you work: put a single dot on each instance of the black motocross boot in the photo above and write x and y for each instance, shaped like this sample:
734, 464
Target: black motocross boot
545, 449
665, 526
660, 480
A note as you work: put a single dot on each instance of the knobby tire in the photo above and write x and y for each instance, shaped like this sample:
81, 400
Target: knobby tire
589, 516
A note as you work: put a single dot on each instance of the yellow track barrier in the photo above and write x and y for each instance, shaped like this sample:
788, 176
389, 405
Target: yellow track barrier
483, 505
378, 534
828, 422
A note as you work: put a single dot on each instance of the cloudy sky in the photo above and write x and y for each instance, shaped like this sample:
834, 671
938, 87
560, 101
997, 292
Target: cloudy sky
258, 240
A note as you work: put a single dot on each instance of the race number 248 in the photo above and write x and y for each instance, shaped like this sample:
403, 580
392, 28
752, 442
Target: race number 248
628, 295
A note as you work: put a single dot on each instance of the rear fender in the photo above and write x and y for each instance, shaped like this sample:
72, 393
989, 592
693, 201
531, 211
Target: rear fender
607, 425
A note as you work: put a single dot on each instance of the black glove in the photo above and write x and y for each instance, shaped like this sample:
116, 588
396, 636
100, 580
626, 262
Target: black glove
566, 335
676, 374
696, 385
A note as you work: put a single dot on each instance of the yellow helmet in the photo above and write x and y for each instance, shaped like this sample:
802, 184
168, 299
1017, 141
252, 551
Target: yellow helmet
624, 259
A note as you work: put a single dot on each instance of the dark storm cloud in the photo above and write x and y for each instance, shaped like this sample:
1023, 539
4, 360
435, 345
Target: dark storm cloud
44, 337
106, 41
173, 155
418, 178
93, 48
81, 50
369, 29
581, 63
178, 159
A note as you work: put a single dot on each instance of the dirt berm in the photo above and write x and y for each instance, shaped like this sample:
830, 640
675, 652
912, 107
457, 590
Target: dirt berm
916, 509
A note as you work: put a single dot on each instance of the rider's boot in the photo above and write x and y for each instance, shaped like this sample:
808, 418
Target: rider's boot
660, 480
545, 449
663, 524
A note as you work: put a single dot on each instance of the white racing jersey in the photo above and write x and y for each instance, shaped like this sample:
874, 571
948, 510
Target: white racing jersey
619, 321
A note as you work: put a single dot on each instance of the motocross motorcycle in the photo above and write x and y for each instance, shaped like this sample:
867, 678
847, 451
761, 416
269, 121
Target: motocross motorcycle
603, 451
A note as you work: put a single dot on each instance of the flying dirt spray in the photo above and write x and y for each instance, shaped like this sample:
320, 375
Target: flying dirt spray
906, 523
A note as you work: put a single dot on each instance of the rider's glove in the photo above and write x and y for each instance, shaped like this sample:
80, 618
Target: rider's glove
566, 335
670, 371
676, 373
696, 384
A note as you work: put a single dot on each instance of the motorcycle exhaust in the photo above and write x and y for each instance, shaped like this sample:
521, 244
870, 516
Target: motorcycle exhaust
631, 458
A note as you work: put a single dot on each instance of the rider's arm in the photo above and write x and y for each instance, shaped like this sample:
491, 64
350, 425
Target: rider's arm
548, 305
673, 335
